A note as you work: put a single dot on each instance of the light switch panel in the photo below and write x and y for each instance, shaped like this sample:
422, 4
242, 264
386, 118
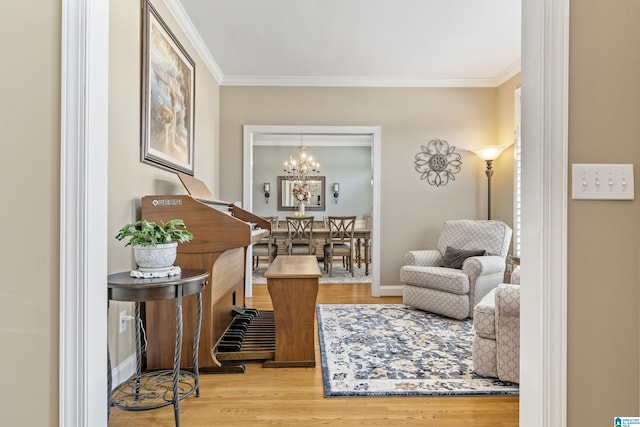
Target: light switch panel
602, 182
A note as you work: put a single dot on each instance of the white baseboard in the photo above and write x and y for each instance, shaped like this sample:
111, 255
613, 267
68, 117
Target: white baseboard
390, 290
123, 371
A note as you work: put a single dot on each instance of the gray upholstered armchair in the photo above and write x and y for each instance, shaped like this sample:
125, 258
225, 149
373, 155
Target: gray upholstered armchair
468, 262
496, 324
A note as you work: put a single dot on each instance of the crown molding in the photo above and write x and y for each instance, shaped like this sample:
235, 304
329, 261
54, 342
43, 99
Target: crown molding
181, 16
178, 12
353, 81
509, 72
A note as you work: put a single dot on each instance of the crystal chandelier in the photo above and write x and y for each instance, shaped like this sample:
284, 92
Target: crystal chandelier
301, 167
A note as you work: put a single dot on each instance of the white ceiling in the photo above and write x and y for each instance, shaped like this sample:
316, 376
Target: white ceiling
355, 42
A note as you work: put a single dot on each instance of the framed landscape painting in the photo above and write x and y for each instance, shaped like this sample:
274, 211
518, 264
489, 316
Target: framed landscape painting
168, 94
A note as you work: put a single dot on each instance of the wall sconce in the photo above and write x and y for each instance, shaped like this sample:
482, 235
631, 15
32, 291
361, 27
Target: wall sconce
489, 153
266, 187
336, 191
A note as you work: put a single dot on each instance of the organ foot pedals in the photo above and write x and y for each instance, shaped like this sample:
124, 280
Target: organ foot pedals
249, 337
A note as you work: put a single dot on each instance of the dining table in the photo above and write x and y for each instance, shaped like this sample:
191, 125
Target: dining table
361, 235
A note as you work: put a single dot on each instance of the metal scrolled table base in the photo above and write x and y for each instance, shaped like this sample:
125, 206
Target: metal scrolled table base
152, 390
155, 389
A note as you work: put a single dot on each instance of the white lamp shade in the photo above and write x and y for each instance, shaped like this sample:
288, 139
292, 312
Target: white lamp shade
489, 152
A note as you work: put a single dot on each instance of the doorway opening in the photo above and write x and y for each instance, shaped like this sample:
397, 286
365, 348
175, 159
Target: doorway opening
319, 136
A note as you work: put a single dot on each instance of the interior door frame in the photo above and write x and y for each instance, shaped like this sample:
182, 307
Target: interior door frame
545, 171
251, 132
84, 142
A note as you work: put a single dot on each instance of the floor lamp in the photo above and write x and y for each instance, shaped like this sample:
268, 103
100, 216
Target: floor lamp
489, 153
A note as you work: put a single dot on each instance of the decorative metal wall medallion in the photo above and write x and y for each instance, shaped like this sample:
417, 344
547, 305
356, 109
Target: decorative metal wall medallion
437, 162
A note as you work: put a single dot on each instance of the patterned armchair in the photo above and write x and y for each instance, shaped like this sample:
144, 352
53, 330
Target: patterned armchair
468, 263
496, 323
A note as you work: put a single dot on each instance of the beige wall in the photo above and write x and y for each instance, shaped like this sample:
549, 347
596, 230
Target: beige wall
603, 251
129, 179
603, 254
412, 210
29, 212
30, 123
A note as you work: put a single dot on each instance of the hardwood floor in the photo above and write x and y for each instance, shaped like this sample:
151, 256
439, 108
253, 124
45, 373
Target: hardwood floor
294, 396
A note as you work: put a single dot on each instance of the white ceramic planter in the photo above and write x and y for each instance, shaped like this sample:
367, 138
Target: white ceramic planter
155, 257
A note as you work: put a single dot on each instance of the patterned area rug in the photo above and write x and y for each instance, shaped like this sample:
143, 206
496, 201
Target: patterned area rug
340, 274
393, 349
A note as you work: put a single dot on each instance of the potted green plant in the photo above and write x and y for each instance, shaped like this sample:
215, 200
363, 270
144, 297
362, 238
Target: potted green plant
155, 245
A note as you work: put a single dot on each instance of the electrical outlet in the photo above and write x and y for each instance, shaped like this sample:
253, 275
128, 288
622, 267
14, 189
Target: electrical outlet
123, 321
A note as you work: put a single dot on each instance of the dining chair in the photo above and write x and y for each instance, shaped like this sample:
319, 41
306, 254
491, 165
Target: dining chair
300, 235
267, 246
340, 242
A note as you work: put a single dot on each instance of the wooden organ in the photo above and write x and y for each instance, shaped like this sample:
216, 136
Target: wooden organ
221, 234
